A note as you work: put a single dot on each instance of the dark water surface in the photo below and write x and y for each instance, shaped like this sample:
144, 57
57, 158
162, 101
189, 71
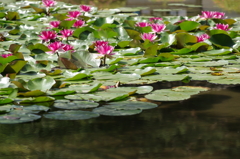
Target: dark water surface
207, 126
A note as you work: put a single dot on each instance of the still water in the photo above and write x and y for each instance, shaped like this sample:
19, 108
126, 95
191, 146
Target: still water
207, 126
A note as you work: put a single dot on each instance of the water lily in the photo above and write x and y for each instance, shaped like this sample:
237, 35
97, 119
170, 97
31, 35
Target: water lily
154, 19
148, 36
49, 3
85, 8
73, 15
142, 24
55, 47
66, 33
222, 27
157, 28
202, 37
67, 47
105, 49
6, 55
79, 23
212, 14
55, 24
100, 43
48, 35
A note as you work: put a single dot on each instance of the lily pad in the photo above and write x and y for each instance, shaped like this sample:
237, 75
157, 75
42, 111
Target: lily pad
18, 118
71, 115
116, 112
76, 105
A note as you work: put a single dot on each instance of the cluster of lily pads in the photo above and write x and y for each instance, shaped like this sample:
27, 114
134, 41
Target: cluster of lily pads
73, 57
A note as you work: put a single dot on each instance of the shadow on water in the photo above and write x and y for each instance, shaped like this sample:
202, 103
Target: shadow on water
201, 127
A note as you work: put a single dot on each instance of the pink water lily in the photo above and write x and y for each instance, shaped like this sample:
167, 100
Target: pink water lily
67, 47
105, 49
153, 19
79, 23
142, 24
49, 3
74, 14
48, 35
212, 14
148, 36
202, 37
157, 28
55, 47
100, 43
55, 24
66, 33
222, 27
85, 8
6, 55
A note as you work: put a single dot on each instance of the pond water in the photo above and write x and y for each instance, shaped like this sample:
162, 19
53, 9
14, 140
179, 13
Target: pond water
205, 126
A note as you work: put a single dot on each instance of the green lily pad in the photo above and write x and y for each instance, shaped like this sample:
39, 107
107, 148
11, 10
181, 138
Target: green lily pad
71, 115
116, 112
75, 105
168, 95
18, 118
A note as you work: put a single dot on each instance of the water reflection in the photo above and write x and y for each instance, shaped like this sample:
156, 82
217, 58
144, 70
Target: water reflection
204, 126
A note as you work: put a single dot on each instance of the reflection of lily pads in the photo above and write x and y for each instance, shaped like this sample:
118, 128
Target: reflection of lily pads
76, 105
71, 115
18, 118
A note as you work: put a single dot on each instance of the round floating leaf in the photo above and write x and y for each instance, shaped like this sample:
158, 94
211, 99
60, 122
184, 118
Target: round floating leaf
144, 89
28, 109
38, 100
76, 105
169, 95
116, 112
18, 118
189, 25
71, 115
222, 40
5, 101
42, 84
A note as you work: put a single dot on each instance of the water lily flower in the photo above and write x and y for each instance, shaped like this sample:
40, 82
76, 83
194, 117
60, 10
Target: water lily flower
48, 35
66, 33
55, 24
79, 23
222, 27
73, 14
157, 28
55, 46
85, 8
105, 49
148, 36
202, 37
153, 19
49, 3
67, 47
142, 24
6, 55
100, 43
212, 14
